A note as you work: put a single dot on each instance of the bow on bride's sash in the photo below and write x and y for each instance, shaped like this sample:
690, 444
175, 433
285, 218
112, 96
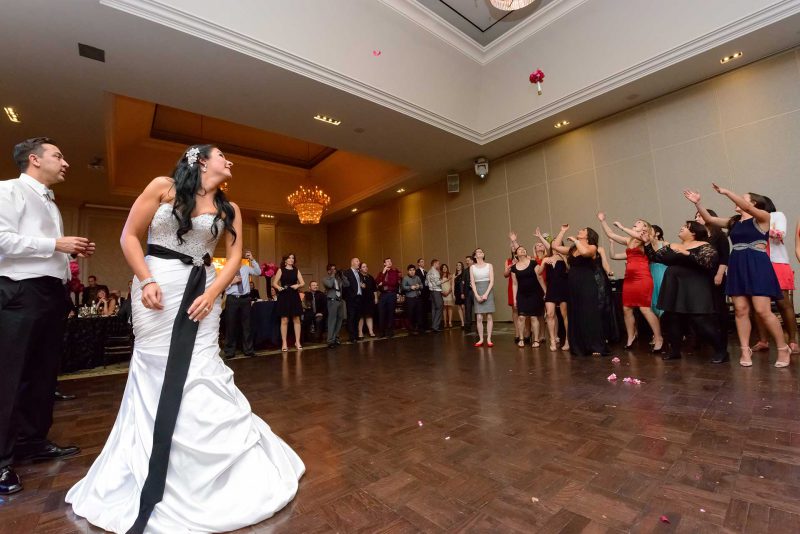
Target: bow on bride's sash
184, 333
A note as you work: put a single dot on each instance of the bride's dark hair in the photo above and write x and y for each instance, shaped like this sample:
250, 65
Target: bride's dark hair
187, 184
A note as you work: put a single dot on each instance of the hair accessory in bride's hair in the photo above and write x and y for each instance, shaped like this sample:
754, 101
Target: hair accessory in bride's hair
191, 155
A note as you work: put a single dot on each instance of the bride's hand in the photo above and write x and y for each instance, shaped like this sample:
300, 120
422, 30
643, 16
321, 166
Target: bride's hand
151, 296
201, 307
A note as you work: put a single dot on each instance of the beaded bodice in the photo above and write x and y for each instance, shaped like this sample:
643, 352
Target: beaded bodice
196, 242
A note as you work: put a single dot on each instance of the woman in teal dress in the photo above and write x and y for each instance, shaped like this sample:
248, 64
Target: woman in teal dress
657, 269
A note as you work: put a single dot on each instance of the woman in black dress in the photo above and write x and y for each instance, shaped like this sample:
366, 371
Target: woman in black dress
369, 299
528, 293
586, 334
554, 268
718, 238
687, 292
286, 283
460, 290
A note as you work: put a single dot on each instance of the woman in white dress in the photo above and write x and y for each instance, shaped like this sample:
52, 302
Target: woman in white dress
186, 453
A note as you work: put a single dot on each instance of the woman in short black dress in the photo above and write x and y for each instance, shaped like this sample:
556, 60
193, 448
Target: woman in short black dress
528, 294
289, 306
369, 299
556, 295
460, 290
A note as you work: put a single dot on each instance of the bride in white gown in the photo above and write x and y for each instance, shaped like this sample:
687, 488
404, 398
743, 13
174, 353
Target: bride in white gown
215, 466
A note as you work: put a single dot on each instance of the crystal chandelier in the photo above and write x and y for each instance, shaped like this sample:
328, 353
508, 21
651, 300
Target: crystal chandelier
309, 204
510, 5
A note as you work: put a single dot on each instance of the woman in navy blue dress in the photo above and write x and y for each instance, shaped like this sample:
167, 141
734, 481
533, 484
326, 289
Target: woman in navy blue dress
751, 278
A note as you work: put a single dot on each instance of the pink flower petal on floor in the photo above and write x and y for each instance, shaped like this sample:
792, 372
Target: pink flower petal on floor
447, 437
419, 423
534, 499
612, 377
615, 360
664, 519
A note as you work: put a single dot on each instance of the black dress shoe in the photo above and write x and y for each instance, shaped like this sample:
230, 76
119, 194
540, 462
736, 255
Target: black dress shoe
667, 357
9, 481
331, 345
720, 358
51, 451
62, 397
249, 354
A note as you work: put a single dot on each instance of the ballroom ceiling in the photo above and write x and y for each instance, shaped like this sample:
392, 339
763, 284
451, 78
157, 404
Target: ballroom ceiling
478, 19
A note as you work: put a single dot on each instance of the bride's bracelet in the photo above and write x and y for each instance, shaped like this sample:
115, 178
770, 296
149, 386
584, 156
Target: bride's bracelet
146, 281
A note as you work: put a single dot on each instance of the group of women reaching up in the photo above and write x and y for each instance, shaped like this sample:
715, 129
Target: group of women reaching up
672, 284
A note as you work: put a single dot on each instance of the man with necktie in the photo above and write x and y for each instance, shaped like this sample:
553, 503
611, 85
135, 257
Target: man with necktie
34, 268
334, 285
352, 297
425, 295
237, 308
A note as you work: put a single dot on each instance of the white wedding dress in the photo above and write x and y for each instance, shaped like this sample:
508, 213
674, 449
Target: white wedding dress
226, 469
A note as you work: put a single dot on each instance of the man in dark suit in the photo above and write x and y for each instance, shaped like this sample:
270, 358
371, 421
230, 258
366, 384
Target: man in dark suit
352, 294
316, 312
90, 291
468, 295
425, 295
254, 294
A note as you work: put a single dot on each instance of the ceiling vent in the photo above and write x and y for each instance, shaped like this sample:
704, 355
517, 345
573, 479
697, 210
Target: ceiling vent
453, 183
91, 52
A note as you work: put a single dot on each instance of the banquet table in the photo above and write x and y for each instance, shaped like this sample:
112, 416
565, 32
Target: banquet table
265, 324
84, 341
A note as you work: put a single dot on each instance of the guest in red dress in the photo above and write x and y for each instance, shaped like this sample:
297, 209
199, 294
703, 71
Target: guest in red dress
637, 287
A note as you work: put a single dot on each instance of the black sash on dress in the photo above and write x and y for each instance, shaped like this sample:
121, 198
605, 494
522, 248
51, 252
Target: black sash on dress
184, 333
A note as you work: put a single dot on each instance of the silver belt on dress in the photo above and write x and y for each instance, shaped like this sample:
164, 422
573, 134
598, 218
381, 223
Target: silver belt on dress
760, 246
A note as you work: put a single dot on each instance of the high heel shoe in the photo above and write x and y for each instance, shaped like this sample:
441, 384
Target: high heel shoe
780, 364
749, 362
629, 346
489, 344
553, 348
659, 350
521, 344
299, 347
478, 344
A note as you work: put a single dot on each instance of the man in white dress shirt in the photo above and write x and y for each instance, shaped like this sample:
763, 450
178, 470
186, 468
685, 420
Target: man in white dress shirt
237, 309
34, 267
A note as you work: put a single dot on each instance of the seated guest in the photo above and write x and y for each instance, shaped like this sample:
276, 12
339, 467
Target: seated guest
106, 304
412, 290
254, 294
89, 296
273, 293
316, 305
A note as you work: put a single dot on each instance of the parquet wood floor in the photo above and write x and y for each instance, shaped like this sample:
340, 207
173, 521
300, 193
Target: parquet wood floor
511, 440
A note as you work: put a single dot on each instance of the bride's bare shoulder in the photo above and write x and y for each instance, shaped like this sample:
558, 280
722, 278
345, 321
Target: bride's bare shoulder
162, 187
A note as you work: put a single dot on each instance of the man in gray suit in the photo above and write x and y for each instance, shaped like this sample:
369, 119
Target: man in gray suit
334, 283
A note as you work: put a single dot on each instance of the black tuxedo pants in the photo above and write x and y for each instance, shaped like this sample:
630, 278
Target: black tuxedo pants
32, 321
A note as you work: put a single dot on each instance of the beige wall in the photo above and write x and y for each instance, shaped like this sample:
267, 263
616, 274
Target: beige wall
104, 227
741, 130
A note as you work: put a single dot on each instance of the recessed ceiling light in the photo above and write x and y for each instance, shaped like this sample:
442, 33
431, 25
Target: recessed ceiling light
561, 124
401, 190
12, 114
354, 210
328, 120
267, 216
724, 60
